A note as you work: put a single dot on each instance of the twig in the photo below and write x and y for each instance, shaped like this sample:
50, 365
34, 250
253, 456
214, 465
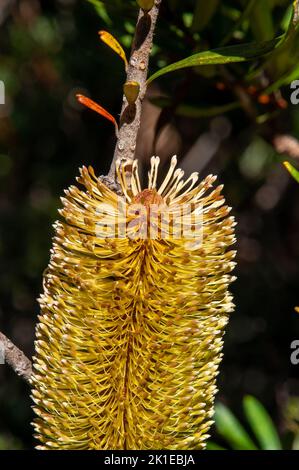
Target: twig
16, 358
136, 72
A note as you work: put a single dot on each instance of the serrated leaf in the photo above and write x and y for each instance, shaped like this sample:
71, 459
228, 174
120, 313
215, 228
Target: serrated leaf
231, 429
261, 424
222, 55
292, 171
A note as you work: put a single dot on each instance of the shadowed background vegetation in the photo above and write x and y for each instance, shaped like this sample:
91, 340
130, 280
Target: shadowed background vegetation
226, 120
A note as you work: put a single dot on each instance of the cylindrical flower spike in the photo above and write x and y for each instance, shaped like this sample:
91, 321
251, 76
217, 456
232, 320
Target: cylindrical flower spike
134, 308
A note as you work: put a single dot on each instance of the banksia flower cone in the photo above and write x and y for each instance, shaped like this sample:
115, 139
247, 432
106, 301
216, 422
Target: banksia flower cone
133, 313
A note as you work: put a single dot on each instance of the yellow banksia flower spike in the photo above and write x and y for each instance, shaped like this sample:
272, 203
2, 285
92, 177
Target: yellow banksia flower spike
133, 313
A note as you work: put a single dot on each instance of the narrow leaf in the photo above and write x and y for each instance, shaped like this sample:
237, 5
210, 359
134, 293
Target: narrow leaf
195, 111
261, 424
214, 446
244, 15
110, 40
261, 21
292, 171
203, 13
101, 10
97, 108
285, 79
284, 57
223, 55
231, 429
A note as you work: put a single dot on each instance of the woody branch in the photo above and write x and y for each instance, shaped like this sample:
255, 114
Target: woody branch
136, 75
16, 358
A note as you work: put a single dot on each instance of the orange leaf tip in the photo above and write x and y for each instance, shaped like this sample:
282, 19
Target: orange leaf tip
97, 108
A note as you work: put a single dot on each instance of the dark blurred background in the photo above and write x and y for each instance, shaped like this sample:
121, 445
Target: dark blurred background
220, 120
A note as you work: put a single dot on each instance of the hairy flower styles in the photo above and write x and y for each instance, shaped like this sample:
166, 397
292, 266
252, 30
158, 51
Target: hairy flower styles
130, 334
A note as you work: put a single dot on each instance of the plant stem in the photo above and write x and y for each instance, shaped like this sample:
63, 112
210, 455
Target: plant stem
137, 72
16, 358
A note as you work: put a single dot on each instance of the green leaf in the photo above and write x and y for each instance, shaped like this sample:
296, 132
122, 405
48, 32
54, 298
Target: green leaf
292, 171
195, 111
287, 18
222, 55
261, 424
284, 58
101, 11
285, 79
244, 15
203, 13
214, 446
231, 430
261, 21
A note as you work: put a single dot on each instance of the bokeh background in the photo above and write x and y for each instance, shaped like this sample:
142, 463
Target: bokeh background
219, 120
